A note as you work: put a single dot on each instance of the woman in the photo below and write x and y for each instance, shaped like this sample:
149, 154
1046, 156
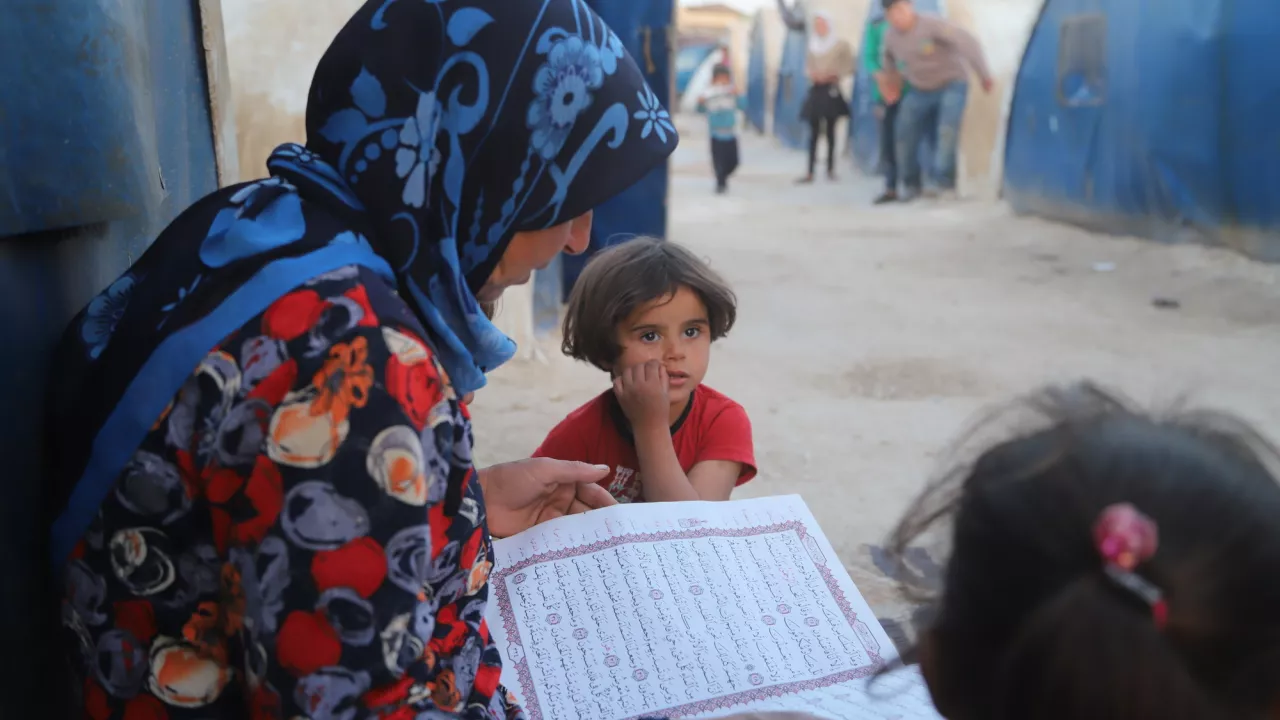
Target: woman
828, 61
295, 528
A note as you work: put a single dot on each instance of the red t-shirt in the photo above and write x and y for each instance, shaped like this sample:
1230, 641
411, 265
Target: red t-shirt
712, 428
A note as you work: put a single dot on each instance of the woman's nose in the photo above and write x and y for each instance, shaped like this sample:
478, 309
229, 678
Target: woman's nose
579, 234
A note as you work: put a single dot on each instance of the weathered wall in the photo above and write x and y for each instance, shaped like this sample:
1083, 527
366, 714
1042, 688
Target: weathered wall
1003, 27
273, 47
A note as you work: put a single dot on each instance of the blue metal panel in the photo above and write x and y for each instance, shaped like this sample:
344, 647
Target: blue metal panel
756, 70
1166, 129
1250, 131
647, 30
106, 134
793, 84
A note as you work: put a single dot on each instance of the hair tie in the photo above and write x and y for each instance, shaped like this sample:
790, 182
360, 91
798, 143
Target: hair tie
1125, 538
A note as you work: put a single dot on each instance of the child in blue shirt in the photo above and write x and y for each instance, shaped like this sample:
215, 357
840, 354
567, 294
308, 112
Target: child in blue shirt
720, 103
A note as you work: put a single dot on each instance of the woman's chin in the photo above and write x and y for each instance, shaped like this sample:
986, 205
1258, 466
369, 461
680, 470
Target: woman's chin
489, 293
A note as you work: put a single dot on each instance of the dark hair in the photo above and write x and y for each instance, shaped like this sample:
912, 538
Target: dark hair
721, 71
1028, 626
618, 281
890, 3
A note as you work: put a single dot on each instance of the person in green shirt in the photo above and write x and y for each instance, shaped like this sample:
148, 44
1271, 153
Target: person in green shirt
886, 92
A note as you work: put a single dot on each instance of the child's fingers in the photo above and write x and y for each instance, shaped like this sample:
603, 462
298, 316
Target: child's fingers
653, 371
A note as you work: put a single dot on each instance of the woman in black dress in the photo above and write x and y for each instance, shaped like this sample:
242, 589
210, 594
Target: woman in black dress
829, 60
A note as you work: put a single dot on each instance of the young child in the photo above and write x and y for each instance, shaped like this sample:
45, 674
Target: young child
1106, 565
720, 103
647, 312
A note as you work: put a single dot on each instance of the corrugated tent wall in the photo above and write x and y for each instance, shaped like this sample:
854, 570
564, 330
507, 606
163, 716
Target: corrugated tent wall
757, 88
1152, 117
793, 83
105, 136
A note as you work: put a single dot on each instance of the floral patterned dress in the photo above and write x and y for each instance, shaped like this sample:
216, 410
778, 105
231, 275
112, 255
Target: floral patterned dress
300, 535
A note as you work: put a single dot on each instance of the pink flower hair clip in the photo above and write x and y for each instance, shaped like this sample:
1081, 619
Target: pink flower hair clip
1126, 538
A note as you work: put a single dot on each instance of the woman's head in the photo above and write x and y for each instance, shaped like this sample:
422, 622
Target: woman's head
531, 250
821, 24
649, 300
450, 130
1030, 625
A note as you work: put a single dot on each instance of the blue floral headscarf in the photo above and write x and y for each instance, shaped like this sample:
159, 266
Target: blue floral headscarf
436, 130
457, 124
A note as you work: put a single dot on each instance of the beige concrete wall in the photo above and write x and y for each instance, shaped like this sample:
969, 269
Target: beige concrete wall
1004, 28
272, 50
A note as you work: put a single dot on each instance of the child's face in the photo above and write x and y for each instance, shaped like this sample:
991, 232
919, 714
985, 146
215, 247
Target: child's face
720, 79
675, 331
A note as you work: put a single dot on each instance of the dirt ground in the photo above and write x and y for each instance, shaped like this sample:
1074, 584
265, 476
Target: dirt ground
869, 336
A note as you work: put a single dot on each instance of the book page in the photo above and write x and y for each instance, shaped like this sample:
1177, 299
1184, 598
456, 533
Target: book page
691, 609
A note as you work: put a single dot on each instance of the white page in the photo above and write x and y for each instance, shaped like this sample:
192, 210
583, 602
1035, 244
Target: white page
690, 609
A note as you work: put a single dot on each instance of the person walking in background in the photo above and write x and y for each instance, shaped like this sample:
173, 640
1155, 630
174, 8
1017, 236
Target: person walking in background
829, 61
887, 93
721, 103
934, 55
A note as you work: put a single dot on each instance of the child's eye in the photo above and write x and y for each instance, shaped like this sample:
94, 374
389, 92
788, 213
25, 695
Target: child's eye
649, 337
692, 332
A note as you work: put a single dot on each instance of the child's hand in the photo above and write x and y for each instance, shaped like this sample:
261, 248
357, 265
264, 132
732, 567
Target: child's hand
642, 390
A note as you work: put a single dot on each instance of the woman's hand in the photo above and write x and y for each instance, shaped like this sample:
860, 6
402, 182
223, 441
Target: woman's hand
643, 391
521, 494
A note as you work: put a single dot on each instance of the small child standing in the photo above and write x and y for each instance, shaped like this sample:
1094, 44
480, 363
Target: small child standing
647, 312
1105, 565
720, 103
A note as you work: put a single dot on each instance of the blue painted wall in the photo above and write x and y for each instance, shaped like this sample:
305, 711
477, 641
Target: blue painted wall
757, 91
647, 30
793, 84
1152, 117
104, 136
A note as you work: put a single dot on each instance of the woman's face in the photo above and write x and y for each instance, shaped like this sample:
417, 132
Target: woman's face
821, 27
533, 250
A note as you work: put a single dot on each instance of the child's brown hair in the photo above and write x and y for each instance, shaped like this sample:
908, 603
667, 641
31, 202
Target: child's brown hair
625, 277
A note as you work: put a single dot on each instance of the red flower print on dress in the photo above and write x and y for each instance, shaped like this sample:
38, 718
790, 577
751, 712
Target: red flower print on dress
293, 315
412, 377
360, 565
306, 643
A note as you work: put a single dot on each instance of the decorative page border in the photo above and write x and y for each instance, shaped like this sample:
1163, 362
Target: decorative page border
869, 643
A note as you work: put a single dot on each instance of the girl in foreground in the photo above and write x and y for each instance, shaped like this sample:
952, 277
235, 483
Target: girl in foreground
1106, 565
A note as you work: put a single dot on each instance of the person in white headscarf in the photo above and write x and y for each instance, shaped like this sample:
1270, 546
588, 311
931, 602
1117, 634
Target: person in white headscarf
829, 60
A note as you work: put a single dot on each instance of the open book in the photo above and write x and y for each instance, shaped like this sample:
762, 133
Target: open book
691, 609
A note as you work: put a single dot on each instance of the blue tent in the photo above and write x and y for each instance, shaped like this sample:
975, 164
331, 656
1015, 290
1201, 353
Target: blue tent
1152, 117
793, 84
106, 135
864, 128
756, 71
